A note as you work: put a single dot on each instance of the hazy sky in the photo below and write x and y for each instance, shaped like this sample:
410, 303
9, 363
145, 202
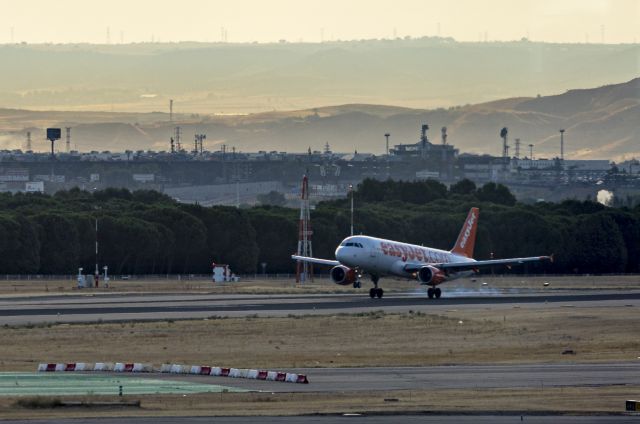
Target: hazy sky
295, 20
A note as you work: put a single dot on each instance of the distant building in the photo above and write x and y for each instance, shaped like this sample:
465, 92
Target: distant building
144, 178
34, 187
14, 175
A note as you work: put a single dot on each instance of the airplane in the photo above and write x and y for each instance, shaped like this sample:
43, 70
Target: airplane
357, 255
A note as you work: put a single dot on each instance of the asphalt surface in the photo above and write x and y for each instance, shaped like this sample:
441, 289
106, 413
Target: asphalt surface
355, 419
536, 376
86, 308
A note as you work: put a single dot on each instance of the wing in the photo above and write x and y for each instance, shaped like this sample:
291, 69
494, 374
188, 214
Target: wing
473, 265
315, 260
493, 262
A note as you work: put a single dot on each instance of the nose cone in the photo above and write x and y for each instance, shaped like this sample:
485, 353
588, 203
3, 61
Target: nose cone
340, 254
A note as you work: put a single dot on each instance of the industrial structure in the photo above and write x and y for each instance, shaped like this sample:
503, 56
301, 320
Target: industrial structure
228, 176
304, 270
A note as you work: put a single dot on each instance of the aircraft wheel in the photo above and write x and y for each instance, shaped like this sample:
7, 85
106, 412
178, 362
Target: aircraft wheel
356, 284
379, 293
430, 292
438, 293
372, 293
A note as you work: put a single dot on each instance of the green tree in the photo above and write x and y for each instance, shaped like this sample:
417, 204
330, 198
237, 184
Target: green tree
19, 245
463, 187
597, 245
230, 237
276, 236
496, 193
58, 243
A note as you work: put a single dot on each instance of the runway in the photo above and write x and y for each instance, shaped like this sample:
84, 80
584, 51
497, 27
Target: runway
120, 307
498, 418
88, 307
478, 377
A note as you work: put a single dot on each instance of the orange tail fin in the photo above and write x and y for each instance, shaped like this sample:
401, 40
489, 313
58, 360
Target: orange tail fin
467, 237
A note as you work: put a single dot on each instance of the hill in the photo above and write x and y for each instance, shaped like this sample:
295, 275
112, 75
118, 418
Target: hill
600, 123
210, 78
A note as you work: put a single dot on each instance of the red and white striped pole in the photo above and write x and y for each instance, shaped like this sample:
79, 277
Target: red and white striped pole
304, 270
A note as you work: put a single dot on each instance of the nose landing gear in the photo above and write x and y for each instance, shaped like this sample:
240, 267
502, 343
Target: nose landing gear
375, 291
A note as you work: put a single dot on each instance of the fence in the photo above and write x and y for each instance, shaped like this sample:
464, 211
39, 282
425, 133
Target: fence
152, 277
208, 277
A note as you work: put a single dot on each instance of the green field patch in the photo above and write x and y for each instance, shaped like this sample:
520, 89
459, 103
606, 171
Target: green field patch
60, 384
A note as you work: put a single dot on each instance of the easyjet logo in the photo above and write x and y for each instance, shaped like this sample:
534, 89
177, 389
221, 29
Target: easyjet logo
413, 252
467, 230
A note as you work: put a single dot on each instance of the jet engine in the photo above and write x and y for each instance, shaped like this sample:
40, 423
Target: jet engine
431, 275
343, 275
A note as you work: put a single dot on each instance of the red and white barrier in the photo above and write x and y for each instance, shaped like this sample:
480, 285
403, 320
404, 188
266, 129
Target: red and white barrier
137, 367
103, 366
83, 366
176, 369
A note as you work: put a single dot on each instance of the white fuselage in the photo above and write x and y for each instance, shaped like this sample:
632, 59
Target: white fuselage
387, 257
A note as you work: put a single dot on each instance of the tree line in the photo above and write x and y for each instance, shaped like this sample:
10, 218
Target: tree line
146, 232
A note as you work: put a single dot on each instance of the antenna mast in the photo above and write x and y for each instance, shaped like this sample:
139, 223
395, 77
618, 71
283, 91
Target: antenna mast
304, 270
176, 138
68, 143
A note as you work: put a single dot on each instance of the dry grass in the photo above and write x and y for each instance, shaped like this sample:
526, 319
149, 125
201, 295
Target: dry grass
562, 400
366, 339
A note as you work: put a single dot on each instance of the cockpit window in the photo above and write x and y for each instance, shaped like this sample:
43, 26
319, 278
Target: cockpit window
352, 244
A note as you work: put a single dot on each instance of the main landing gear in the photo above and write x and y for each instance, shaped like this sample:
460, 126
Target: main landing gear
375, 291
434, 292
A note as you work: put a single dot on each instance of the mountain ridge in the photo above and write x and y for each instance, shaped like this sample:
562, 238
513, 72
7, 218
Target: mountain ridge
600, 123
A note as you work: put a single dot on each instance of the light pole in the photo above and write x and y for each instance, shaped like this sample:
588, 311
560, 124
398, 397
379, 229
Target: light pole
105, 278
351, 191
97, 272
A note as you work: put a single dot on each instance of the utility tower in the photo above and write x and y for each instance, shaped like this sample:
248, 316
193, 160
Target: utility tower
387, 135
424, 140
28, 141
68, 140
531, 151
176, 138
443, 131
304, 270
504, 132
170, 110
517, 148
198, 143
562, 144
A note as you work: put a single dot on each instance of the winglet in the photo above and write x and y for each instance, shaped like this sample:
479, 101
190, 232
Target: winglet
467, 237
